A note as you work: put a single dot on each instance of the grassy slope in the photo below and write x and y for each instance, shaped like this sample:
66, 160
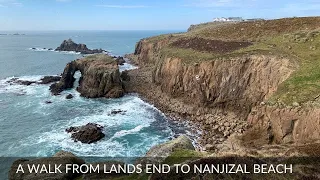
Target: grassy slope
296, 38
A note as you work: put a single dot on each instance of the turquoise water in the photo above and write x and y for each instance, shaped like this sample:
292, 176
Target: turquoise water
31, 128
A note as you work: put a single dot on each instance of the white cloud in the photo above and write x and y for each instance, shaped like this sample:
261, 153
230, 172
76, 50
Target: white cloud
123, 6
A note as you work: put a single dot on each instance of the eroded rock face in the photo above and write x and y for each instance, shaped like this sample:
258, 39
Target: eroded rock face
100, 77
69, 45
88, 134
287, 125
66, 80
242, 81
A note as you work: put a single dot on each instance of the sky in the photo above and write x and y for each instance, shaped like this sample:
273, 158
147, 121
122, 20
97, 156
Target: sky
140, 14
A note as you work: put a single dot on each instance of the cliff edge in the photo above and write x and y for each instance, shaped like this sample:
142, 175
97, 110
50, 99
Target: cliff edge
237, 79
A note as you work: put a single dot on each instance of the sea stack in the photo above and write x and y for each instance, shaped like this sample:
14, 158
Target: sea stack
100, 77
69, 45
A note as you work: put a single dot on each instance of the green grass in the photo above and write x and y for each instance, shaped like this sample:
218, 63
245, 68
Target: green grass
304, 84
297, 39
99, 57
180, 156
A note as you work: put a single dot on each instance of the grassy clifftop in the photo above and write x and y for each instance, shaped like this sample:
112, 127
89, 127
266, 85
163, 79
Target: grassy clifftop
295, 38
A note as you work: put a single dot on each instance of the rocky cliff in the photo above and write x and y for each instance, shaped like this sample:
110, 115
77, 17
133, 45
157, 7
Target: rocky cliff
226, 91
100, 77
69, 45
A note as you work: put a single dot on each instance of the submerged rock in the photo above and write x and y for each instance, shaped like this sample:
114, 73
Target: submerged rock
48, 102
117, 111
88, 134
49, 79
69, 45
44, 80
25, 83
69, 96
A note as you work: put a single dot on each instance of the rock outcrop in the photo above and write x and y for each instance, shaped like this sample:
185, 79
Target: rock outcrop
286, 125
164, 150
44, 80
100, 77
224, 94
120, 60
62, 158
49, 79
88, 134
69, 45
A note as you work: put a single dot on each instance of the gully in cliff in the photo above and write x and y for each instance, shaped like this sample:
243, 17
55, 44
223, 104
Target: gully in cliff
100, 77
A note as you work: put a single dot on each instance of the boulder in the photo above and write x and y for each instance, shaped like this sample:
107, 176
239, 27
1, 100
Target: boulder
62, 158
69, 45
69, 96
88, 134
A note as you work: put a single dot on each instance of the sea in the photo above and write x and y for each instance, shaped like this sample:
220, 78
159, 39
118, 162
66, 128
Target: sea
31, 128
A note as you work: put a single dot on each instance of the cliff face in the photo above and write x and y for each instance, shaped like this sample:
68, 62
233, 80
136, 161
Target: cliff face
288, 125
146, 53
261, 77
100, 77
237, 84
241, 82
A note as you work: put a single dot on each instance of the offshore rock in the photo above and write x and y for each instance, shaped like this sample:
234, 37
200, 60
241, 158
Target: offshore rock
69, 96
88, 134
69, 45
100, 77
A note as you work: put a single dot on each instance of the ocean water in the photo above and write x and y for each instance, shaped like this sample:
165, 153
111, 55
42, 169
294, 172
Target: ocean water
31, 128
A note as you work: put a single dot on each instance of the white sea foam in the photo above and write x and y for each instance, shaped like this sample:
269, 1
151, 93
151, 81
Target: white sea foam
129, 134
52, 50
41, 49
131, 131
